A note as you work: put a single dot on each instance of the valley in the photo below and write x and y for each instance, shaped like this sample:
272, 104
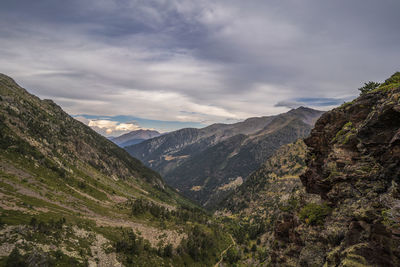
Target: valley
174, 133
326, 196
207, 164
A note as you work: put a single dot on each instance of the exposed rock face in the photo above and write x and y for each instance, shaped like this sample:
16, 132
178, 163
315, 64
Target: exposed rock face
354, 165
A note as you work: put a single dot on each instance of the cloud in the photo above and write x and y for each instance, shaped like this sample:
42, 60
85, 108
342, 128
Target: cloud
109, 127
127, 121
218, 61
289, 104
318, 102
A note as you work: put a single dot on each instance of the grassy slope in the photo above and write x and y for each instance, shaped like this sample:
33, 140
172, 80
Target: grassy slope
54, 167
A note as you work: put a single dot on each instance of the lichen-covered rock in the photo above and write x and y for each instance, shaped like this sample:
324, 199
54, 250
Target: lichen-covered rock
354, 165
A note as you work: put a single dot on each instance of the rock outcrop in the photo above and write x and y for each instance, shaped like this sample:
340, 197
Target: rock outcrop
353, 164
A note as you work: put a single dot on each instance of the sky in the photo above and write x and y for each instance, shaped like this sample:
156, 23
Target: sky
158, 64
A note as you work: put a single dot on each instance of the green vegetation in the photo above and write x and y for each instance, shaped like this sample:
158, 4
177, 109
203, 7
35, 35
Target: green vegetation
233, 255
39, 258
345, 134
180, 215
314, 214
291, 206
202, 244
41, 232
249, 230
200, 248
368, 87
391, 83
134, 247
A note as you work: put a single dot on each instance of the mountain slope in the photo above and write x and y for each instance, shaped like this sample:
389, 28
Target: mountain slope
269, 186
206, 164
256, 207
134, 137
70, 197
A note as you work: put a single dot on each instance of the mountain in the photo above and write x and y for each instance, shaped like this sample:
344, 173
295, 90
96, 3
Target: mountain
344, 210
134, 137
266, 190
70, 197
206, 164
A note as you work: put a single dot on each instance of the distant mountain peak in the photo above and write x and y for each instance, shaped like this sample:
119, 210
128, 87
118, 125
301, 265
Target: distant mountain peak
216, 155
305, 109
135, 137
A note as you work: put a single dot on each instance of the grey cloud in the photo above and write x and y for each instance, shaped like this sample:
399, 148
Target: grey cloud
319, 102
229, 58
289, 104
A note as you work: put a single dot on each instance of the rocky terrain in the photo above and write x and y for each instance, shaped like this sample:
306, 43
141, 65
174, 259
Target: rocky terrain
70, 197
206, 164
134, 137
347, 212
272, 185
256, 207
353, 165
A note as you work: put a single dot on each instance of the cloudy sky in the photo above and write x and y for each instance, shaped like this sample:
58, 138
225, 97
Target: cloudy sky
130, 64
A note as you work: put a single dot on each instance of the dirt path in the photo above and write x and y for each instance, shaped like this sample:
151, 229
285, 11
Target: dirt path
223, 252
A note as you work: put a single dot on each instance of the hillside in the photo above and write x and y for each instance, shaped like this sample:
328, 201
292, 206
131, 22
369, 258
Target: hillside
70, 197
206, 164
279, 175
255, 207
347, 211
134, 137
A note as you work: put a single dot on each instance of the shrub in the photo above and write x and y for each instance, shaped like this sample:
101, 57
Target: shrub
314, 214
168, 251
15, 259
368, 87
232, 255
391, 83
394, 79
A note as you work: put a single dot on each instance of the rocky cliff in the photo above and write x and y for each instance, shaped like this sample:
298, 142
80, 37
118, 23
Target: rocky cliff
333, 200
353, 164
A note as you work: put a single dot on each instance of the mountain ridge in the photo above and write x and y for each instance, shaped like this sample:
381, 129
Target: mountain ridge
134, 137
205, 164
